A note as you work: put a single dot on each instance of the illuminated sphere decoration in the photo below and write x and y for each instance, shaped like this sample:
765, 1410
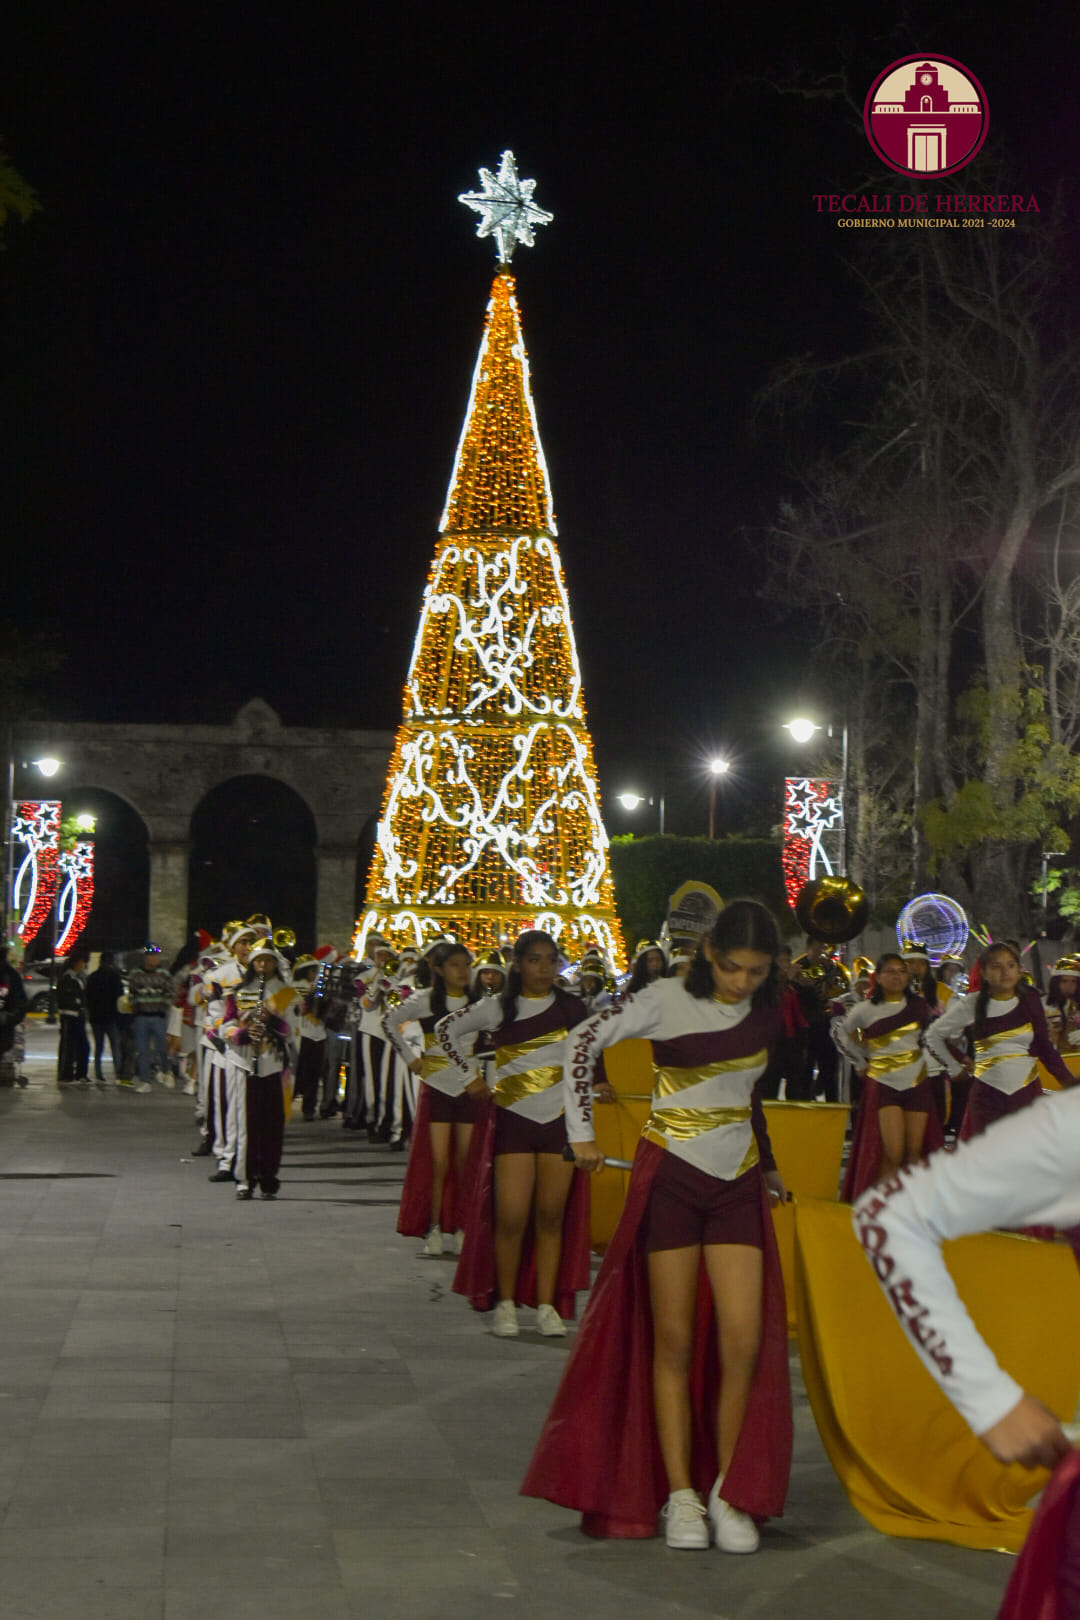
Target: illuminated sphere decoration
936, 922
491, 820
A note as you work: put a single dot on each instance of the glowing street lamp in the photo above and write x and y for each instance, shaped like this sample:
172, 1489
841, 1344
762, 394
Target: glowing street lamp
631, 801
801, 729
47, 766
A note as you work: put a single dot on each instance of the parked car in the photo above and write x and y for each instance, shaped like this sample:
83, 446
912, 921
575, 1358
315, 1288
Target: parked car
36, 983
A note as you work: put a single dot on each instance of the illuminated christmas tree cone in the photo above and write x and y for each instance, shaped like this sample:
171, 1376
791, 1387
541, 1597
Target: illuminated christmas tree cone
491, 821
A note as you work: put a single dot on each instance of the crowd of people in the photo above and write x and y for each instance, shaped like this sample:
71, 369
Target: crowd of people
675, 1405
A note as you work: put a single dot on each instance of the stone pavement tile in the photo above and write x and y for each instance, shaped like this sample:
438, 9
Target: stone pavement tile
246, 1557
421, 1562
24, 1373
400, 1504
284, 1517
117, 1543
226, 1359
210, 1383
99, 1602
253, 1420
382, 1459
240, 1459
197, 1603
82, 1514
503, 1507
61, 1405
136, 1339
52, 1580
19, 1413
242, 1501
87, 1478
119, 1381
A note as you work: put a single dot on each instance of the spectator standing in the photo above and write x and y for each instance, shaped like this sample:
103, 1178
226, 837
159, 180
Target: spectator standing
104, 988
73, 1060
150, 989
13, 1008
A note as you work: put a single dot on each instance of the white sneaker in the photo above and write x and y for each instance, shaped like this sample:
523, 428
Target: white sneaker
550, 1322
189, 1088
733, 1531
167, 1079
142, 1087
685, 1520
459, 1239
505, 1322
434, 1244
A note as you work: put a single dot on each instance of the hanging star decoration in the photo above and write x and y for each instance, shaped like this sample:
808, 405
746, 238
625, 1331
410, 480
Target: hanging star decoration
506, 208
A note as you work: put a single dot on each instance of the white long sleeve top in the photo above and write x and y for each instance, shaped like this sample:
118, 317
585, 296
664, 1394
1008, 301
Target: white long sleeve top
707, 1056
528, 1060
1024, 1170
877, 1040
438, 1070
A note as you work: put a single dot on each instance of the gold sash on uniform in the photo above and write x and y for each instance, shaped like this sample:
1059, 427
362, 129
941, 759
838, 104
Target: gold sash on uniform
434, 1057
683, 1124
987, 1061
512, 1087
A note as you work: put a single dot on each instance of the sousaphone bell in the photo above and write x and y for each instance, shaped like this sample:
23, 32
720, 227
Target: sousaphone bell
832, 909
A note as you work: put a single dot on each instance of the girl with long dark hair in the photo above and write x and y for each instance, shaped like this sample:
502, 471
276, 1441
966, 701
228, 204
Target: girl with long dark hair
522, 1188
1007, 1025
897, 1121
433, 1194
680, 1369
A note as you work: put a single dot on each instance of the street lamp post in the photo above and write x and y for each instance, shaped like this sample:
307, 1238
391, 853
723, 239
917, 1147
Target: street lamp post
718, 767
802, 730
48, 766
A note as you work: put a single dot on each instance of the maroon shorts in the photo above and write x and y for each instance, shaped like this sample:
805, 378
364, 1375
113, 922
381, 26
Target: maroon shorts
686, 1208
446, 1110
915, 1100
515, 1134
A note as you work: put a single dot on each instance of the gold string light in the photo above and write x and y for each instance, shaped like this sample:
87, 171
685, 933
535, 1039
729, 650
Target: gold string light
491, 819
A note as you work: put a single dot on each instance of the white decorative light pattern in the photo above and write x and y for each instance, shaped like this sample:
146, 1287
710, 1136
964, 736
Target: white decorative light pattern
507, 211
813, 831
76, 892
36, 826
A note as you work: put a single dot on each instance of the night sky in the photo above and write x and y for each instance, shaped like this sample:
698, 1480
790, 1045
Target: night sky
235, 345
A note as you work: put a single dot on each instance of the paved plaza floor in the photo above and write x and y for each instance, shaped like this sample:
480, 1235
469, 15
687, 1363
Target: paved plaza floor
212, 1410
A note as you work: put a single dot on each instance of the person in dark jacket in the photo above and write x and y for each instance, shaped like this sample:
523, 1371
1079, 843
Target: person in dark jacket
13, 1009
73, 1061
103, 990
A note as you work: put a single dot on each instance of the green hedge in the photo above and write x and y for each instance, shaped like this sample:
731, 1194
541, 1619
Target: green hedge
649, 870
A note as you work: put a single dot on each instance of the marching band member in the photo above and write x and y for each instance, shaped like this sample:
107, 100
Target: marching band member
1025, 1175
225, 1082
489, 972
260, 1027
592, 983
311, 1061
882, 1036
434, 1193
1006, 1022
690, 1285
522, 1179
1063, 1004
649, 964
820, 979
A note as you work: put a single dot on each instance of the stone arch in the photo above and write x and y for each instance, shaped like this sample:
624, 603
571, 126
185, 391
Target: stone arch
119, 918
252, 848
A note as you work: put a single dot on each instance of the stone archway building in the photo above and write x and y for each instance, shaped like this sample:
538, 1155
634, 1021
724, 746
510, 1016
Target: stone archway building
164, 772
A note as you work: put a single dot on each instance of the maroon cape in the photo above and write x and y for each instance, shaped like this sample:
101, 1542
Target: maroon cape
414, 1211
864, 1162
475, 1274
986, 1104
599, 1451
1046, 1580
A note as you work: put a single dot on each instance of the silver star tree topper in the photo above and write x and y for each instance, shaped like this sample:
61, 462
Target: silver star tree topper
507, 210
